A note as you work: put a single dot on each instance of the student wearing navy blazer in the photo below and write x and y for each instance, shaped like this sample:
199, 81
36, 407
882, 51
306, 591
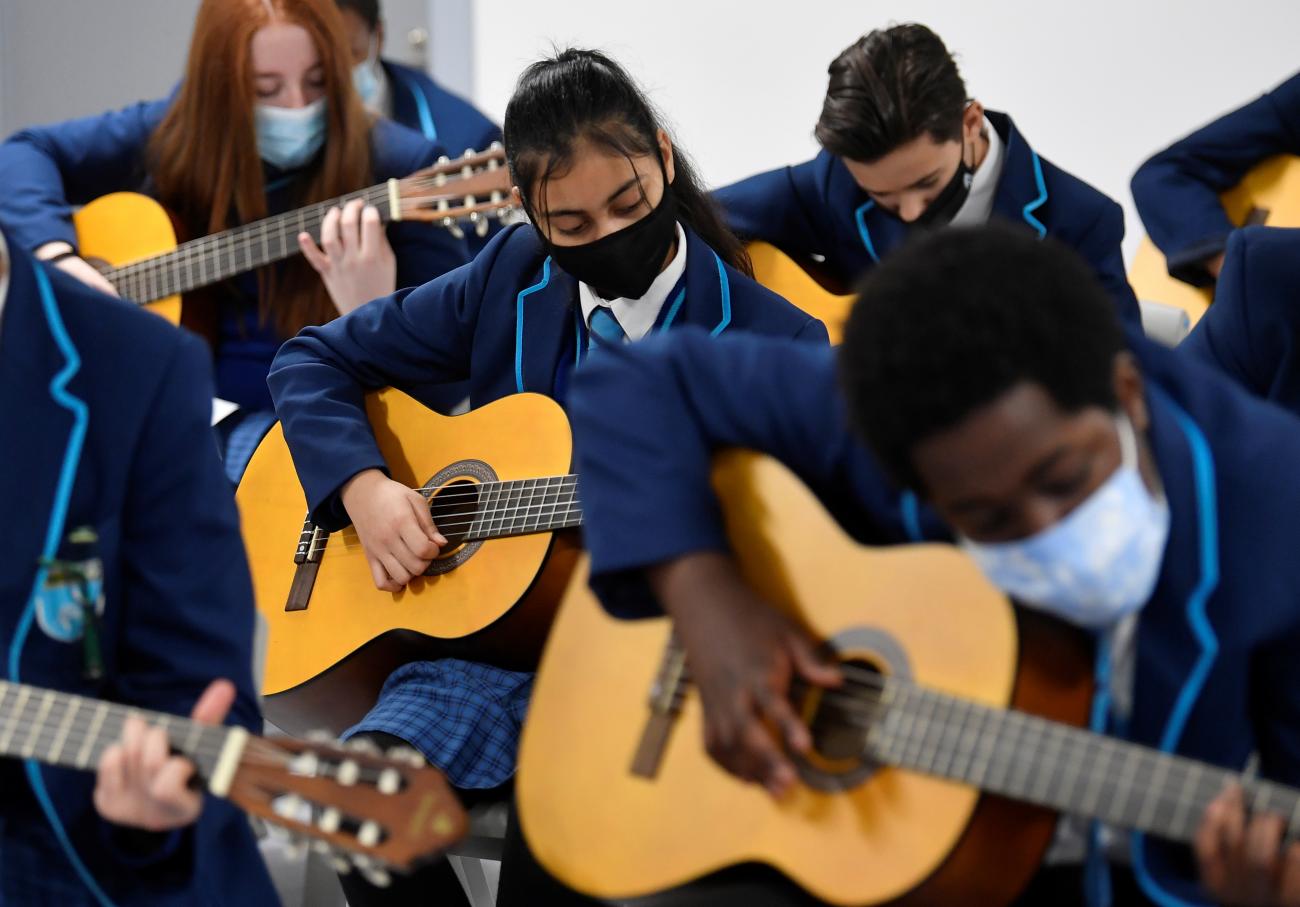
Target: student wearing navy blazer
1252, 332
904, 149
286, 132
1177, 190
105, 425
618, 253
1217, 615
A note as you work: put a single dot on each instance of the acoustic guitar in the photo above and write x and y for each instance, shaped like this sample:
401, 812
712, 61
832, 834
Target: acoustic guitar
377, 814
499, 489
788, 279
949, 692
130, 238
1269, 194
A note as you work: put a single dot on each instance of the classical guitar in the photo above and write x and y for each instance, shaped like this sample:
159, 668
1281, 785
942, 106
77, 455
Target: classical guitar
788, 279
949, 692
498, 485
379, 814
131, 239
1269, 194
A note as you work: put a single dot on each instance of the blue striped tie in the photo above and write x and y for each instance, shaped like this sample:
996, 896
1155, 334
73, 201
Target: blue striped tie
605, 327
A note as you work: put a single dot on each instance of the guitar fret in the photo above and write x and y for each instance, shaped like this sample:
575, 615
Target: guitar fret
1154, 791
15, 718
65, 726
42, 712
92, 736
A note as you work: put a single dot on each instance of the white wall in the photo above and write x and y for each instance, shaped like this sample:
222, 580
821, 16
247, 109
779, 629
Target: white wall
1095, 85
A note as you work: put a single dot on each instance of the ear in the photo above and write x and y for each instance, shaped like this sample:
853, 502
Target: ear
972, 121
379, 38
666, 152
1130, 390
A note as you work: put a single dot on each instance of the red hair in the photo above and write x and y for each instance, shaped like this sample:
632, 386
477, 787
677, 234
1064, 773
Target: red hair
204, 158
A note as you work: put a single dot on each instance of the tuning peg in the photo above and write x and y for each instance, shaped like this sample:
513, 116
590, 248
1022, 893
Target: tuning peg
377, 876
453, 228
363, 745
330, 820
443, 159
296, 847
320, 736
321, 847
305, 763
291, 806
390, 781
369, 833
406, 754
348, 772
339, 864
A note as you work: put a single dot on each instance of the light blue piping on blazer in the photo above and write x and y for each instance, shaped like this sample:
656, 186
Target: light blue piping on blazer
860, 216
725, 285
1038, 202
519, 322
1208, 525
53, 532
422, 108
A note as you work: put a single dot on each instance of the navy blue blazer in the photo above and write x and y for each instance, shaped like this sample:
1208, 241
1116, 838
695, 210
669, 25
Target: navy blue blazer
1252, 332
817, 208
105, 414
507, 323
1177, 191
46, 169
1215, 661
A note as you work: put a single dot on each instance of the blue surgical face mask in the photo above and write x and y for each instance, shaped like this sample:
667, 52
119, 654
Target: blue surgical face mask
1097, 564
365, 76
288, 137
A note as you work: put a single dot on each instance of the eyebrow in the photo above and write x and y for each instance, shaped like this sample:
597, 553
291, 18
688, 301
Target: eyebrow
613, 195
1042, 467
925, 179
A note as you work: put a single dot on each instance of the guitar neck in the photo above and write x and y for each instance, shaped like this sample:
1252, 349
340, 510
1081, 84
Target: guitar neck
73, 731
211, 259
1074, 771
525, 506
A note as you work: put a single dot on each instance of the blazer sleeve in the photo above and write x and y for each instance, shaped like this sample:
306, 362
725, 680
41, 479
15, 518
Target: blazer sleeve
186, 586
1223, 338
48, 169
1177, 190
647, 417
778, 207
423, 250
318, 380
1101, 246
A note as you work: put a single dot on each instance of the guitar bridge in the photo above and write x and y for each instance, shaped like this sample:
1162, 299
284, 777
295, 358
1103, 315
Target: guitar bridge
666, 696
311, 547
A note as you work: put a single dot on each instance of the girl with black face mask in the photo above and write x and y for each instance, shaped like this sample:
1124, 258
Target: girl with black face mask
622, 243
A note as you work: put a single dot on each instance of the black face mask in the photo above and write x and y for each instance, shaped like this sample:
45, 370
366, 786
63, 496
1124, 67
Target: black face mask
625, 263
944, 207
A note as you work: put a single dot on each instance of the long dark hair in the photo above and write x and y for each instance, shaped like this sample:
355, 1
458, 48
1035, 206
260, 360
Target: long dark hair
583, 94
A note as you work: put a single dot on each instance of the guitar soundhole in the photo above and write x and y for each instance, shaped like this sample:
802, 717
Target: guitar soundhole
454, 505
841, 719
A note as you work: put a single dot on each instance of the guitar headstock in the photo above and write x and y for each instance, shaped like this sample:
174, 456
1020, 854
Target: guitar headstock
375, 813
473, 187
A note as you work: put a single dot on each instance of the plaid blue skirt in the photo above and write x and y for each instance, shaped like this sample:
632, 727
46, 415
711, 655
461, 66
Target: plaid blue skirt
464, 717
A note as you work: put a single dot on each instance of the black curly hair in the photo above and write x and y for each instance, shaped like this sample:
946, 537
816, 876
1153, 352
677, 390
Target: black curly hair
957, 318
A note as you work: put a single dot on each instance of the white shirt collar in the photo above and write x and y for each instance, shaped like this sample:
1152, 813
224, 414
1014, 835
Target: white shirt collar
978, 206
383, 100
637, 316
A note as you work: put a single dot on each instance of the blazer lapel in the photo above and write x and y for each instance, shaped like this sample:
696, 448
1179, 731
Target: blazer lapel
543, 318
1022, 191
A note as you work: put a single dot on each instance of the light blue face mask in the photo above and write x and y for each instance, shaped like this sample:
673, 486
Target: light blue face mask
365, 76
288, 137
1097, 564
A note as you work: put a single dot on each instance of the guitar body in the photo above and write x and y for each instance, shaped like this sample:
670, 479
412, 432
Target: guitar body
1268, 194
124, 227
327, 661
893, 835
784, 276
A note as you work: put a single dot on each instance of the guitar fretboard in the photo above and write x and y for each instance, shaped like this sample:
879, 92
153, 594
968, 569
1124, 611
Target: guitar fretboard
1051, 764
524, 506
73, 731
205, 261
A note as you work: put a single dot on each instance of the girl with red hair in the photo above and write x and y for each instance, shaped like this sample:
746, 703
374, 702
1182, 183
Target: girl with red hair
265, 120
